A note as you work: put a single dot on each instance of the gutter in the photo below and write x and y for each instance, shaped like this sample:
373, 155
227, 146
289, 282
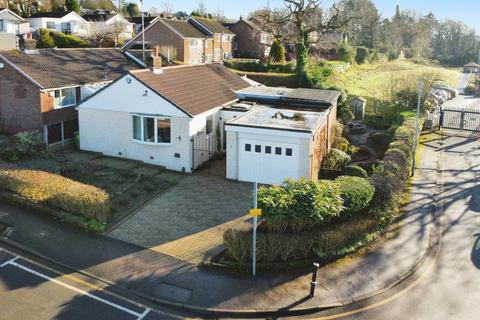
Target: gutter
135, 59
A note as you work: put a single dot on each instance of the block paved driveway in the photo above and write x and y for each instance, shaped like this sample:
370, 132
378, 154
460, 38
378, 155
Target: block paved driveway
187, 221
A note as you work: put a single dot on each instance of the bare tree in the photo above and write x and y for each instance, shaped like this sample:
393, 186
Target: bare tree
301, 22
116, 30
167, 7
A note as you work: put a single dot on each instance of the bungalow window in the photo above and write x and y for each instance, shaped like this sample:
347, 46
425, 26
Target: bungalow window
193, 43
151, 129
51, 25
65, 98
209, 124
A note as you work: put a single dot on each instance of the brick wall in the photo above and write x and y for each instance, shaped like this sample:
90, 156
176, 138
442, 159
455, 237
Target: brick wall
51, 115
248, 41
19, 102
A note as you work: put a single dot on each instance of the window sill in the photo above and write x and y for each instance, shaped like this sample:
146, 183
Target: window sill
63, 107
155, 144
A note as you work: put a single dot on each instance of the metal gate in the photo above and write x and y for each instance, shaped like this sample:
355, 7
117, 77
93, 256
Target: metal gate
456, 118
203, 148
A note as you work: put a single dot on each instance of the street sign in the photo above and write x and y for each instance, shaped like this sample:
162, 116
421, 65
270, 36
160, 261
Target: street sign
255, 212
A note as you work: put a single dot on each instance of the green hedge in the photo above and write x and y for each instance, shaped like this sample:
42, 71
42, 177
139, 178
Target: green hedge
330, 242
355, 192
58, 192
299, 204
22, 146
355, 171
336, 160
63, 40
250, 65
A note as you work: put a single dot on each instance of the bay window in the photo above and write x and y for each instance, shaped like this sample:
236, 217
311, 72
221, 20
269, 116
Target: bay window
151, 129
65, 98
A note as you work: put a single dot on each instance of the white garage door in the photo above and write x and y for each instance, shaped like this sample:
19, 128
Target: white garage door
267, 162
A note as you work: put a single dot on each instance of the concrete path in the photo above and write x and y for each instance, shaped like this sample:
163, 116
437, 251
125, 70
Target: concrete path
166, 278
464, 81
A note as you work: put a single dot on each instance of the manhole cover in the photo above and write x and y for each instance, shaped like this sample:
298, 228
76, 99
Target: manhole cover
5, 228
172, 293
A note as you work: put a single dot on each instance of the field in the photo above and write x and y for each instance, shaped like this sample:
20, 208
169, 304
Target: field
375, 81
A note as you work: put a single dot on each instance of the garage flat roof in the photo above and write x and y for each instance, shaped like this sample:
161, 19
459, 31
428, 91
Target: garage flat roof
300, 95
270, 117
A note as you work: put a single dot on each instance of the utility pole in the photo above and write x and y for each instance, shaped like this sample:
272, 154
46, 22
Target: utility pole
143, 31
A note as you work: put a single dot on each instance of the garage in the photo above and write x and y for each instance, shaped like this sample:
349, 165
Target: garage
269, 145
262, 160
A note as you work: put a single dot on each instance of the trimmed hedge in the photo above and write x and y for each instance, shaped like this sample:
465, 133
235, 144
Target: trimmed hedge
329, 243
56, 191
249, 65
355, 192
336, 159
299, 204
355, 171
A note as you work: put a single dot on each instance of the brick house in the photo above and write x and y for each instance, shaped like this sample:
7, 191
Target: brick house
191, 45
221, 36
250, 40
40, 90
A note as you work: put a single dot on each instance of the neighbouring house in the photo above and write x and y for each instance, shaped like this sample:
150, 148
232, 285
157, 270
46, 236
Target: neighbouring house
137, 21
40, 89
250, 40
326, 45
471, 67
186, 42
66, 22
178, 117
113, 24
12, 26
222, 37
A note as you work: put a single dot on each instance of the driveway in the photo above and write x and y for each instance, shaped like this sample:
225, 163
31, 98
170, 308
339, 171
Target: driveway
188, 220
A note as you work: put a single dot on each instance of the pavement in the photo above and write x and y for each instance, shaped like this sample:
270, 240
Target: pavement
450, 287
167, 279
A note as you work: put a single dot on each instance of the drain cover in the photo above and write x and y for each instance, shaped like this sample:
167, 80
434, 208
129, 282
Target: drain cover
172, 293
5, 229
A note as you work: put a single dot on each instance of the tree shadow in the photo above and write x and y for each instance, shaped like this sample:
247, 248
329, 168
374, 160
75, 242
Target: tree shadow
475, 255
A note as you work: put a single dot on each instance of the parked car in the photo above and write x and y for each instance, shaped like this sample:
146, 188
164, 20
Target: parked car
441, 93
435, 98
453, 92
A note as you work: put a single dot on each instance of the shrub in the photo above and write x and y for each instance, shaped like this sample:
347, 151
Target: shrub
355, 192
362, 55
281, 67
45, 40
22, 146
299, 204
317, 74
63, 40
331, 241
356, 171
405, 134
56, 191
380, 138
336, 159
346, 52
277, 51
392, 55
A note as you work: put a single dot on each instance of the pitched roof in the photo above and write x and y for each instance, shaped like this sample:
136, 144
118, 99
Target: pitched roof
56, 68
211, 24
472, 64
98, 17
54, 14
194, 88
184, 28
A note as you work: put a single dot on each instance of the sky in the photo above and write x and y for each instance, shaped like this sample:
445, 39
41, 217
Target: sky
467, 11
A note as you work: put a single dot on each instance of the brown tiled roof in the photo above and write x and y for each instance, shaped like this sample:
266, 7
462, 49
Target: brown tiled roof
213, 25
55, 68
184, 28
195, 89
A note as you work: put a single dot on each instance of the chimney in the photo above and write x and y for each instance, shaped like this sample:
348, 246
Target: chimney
154, 62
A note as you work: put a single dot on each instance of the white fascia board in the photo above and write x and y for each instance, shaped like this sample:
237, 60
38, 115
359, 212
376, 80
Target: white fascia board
267, 131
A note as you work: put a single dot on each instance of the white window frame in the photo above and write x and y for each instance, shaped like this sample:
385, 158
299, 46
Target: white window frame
55, 106
51, 22
155, 130
193, 43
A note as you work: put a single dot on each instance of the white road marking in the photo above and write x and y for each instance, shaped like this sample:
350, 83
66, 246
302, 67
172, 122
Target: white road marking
8, 262
85, 293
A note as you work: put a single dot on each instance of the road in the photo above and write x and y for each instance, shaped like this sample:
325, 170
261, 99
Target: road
33, 290
450, 289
